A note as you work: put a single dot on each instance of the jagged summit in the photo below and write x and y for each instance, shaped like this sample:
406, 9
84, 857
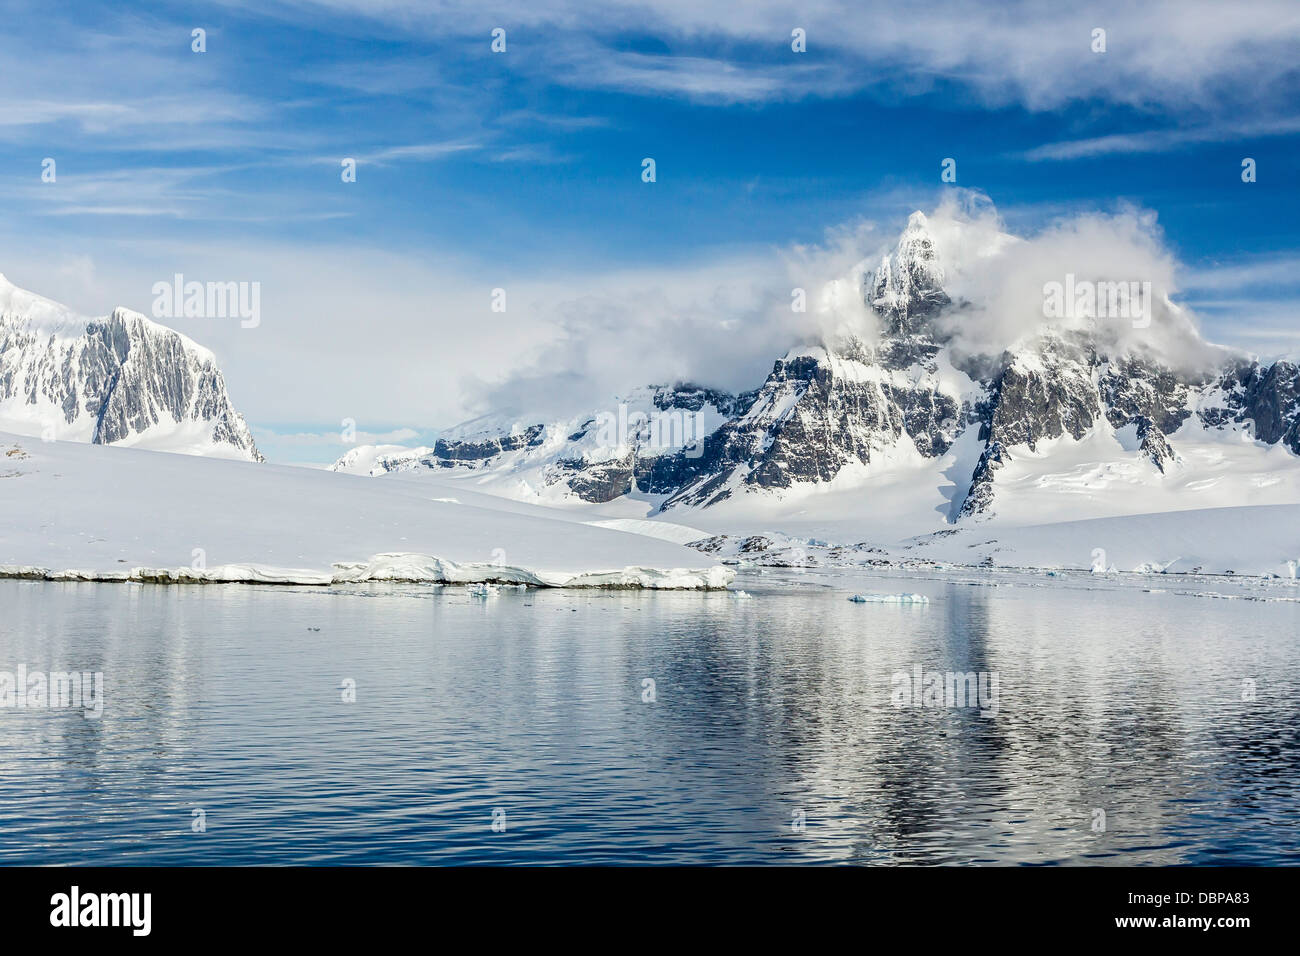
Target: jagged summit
907, 288
120, 379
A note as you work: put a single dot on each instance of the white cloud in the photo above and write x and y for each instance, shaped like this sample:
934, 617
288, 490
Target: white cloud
1002, 285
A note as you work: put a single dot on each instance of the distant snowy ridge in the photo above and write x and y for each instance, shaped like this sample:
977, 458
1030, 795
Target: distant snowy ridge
123, 379
378, 459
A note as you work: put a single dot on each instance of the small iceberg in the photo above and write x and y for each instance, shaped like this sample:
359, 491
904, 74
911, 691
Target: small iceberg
481, 590
889, 599
741, 595
1155, 567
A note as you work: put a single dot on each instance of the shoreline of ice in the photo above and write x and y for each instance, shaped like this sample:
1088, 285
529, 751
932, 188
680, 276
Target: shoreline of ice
396, 568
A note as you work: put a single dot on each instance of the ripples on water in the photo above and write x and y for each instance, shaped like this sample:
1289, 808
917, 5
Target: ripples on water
220, 698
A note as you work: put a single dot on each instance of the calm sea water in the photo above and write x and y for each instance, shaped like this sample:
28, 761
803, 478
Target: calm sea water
1124, 730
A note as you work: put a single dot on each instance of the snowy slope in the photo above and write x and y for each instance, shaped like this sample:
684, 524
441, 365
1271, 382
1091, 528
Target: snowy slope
1262, 541
1258, 540
105, 510
122, 379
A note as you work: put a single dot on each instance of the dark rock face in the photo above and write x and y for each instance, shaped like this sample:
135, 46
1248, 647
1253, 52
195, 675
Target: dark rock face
899, 352
980, 497
123, 376
1268, 396
449, 453
1059, 386
814, 415
1135, 389
692, 398
1044, 392
603, 481
153, 377
1153, 444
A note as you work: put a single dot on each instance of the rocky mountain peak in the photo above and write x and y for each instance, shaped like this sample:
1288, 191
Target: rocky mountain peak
907, 288
122, 378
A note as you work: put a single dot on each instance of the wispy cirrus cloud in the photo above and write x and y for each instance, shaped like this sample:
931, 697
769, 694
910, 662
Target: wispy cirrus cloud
197, 192
1273, 271
1173, 55
1253, 302
129, 84
1162, 140
37, 112
418, 152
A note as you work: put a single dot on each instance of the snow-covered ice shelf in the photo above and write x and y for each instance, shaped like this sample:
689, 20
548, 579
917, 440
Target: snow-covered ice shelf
102, 513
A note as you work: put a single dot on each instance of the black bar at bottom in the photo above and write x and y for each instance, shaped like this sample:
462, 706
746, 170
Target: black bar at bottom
330, 905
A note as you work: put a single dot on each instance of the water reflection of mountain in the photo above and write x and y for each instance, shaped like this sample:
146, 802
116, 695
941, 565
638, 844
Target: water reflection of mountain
1126, 702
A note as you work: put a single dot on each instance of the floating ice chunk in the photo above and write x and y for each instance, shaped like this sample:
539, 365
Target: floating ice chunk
481, 590
1154, 567
741, 595
889, 599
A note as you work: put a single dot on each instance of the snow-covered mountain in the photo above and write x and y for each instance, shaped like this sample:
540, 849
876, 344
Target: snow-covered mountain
598, 456
907, 427
122, 379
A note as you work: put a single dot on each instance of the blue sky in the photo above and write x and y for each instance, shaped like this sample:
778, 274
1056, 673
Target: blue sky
522, 169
